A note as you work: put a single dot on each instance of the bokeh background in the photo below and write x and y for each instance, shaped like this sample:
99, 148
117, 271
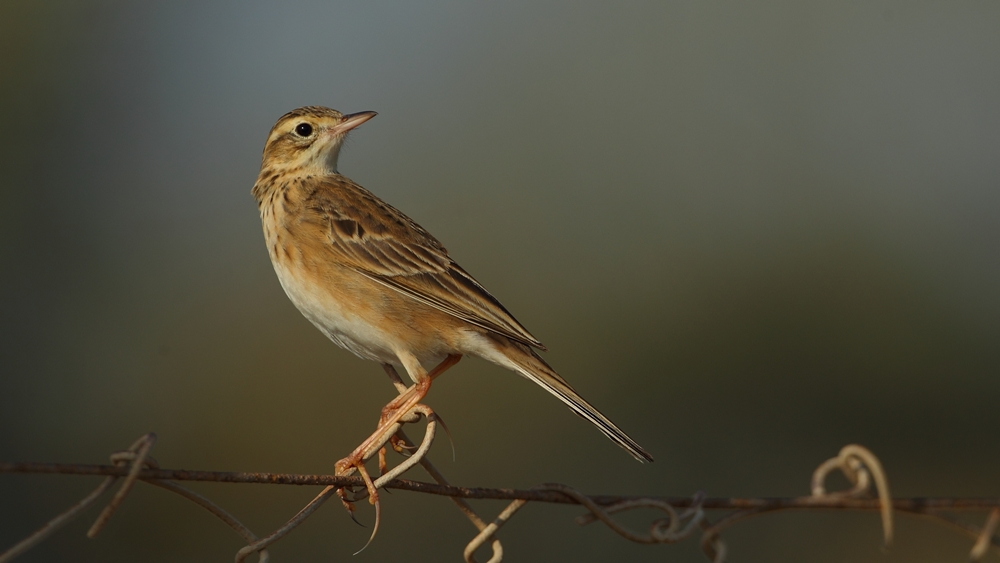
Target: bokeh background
751, 233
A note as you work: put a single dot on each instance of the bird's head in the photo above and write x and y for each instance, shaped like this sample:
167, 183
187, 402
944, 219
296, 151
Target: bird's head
308, 139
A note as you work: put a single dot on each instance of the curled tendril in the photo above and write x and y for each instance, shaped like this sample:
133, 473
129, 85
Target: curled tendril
684, 517
860, 466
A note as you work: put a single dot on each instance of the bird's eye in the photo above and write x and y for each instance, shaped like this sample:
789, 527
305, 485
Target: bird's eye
304, 129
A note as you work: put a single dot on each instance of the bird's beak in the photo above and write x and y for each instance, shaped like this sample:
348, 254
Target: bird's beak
352, 120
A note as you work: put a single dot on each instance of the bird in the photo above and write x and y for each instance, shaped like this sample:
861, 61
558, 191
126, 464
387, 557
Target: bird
378, 284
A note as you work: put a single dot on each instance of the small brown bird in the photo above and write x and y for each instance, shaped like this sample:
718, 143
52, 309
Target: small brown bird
378, 284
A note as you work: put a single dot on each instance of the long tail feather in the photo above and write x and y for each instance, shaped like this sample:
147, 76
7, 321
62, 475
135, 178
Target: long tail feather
526, 362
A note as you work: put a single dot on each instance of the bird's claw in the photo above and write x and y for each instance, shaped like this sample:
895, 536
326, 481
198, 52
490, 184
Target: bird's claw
347, 466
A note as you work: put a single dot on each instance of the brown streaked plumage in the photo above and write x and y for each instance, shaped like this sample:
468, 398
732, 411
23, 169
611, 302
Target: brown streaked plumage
377, 283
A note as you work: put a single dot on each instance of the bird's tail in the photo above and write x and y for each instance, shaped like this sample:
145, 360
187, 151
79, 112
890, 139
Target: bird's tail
522, 359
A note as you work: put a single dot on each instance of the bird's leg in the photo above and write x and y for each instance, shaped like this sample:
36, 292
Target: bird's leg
374, 443
397, 444
400, 445
389, 410
392, 414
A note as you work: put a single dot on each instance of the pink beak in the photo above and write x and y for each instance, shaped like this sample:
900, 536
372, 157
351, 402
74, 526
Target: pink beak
352, 120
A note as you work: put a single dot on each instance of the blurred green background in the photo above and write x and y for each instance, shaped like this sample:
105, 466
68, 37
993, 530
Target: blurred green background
751, 233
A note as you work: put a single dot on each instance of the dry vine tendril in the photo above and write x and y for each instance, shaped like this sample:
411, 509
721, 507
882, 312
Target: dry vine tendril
684, 517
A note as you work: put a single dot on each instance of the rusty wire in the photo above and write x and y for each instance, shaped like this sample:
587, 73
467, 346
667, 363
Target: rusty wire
906, 504
685, 516
857, 463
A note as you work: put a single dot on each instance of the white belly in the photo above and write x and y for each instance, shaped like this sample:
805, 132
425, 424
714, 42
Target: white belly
347, 330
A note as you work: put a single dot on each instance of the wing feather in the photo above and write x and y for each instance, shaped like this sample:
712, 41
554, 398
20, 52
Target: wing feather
383, 244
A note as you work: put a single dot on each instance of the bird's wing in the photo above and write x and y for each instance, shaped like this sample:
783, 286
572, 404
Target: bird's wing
379, 241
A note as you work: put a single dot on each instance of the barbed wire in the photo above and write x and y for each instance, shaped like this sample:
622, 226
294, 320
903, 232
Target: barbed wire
685, 517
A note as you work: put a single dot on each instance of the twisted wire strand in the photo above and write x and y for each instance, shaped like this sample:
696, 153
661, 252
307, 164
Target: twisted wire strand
860, 466
684, 516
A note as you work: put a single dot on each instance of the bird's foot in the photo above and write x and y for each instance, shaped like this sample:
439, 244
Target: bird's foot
344, 468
